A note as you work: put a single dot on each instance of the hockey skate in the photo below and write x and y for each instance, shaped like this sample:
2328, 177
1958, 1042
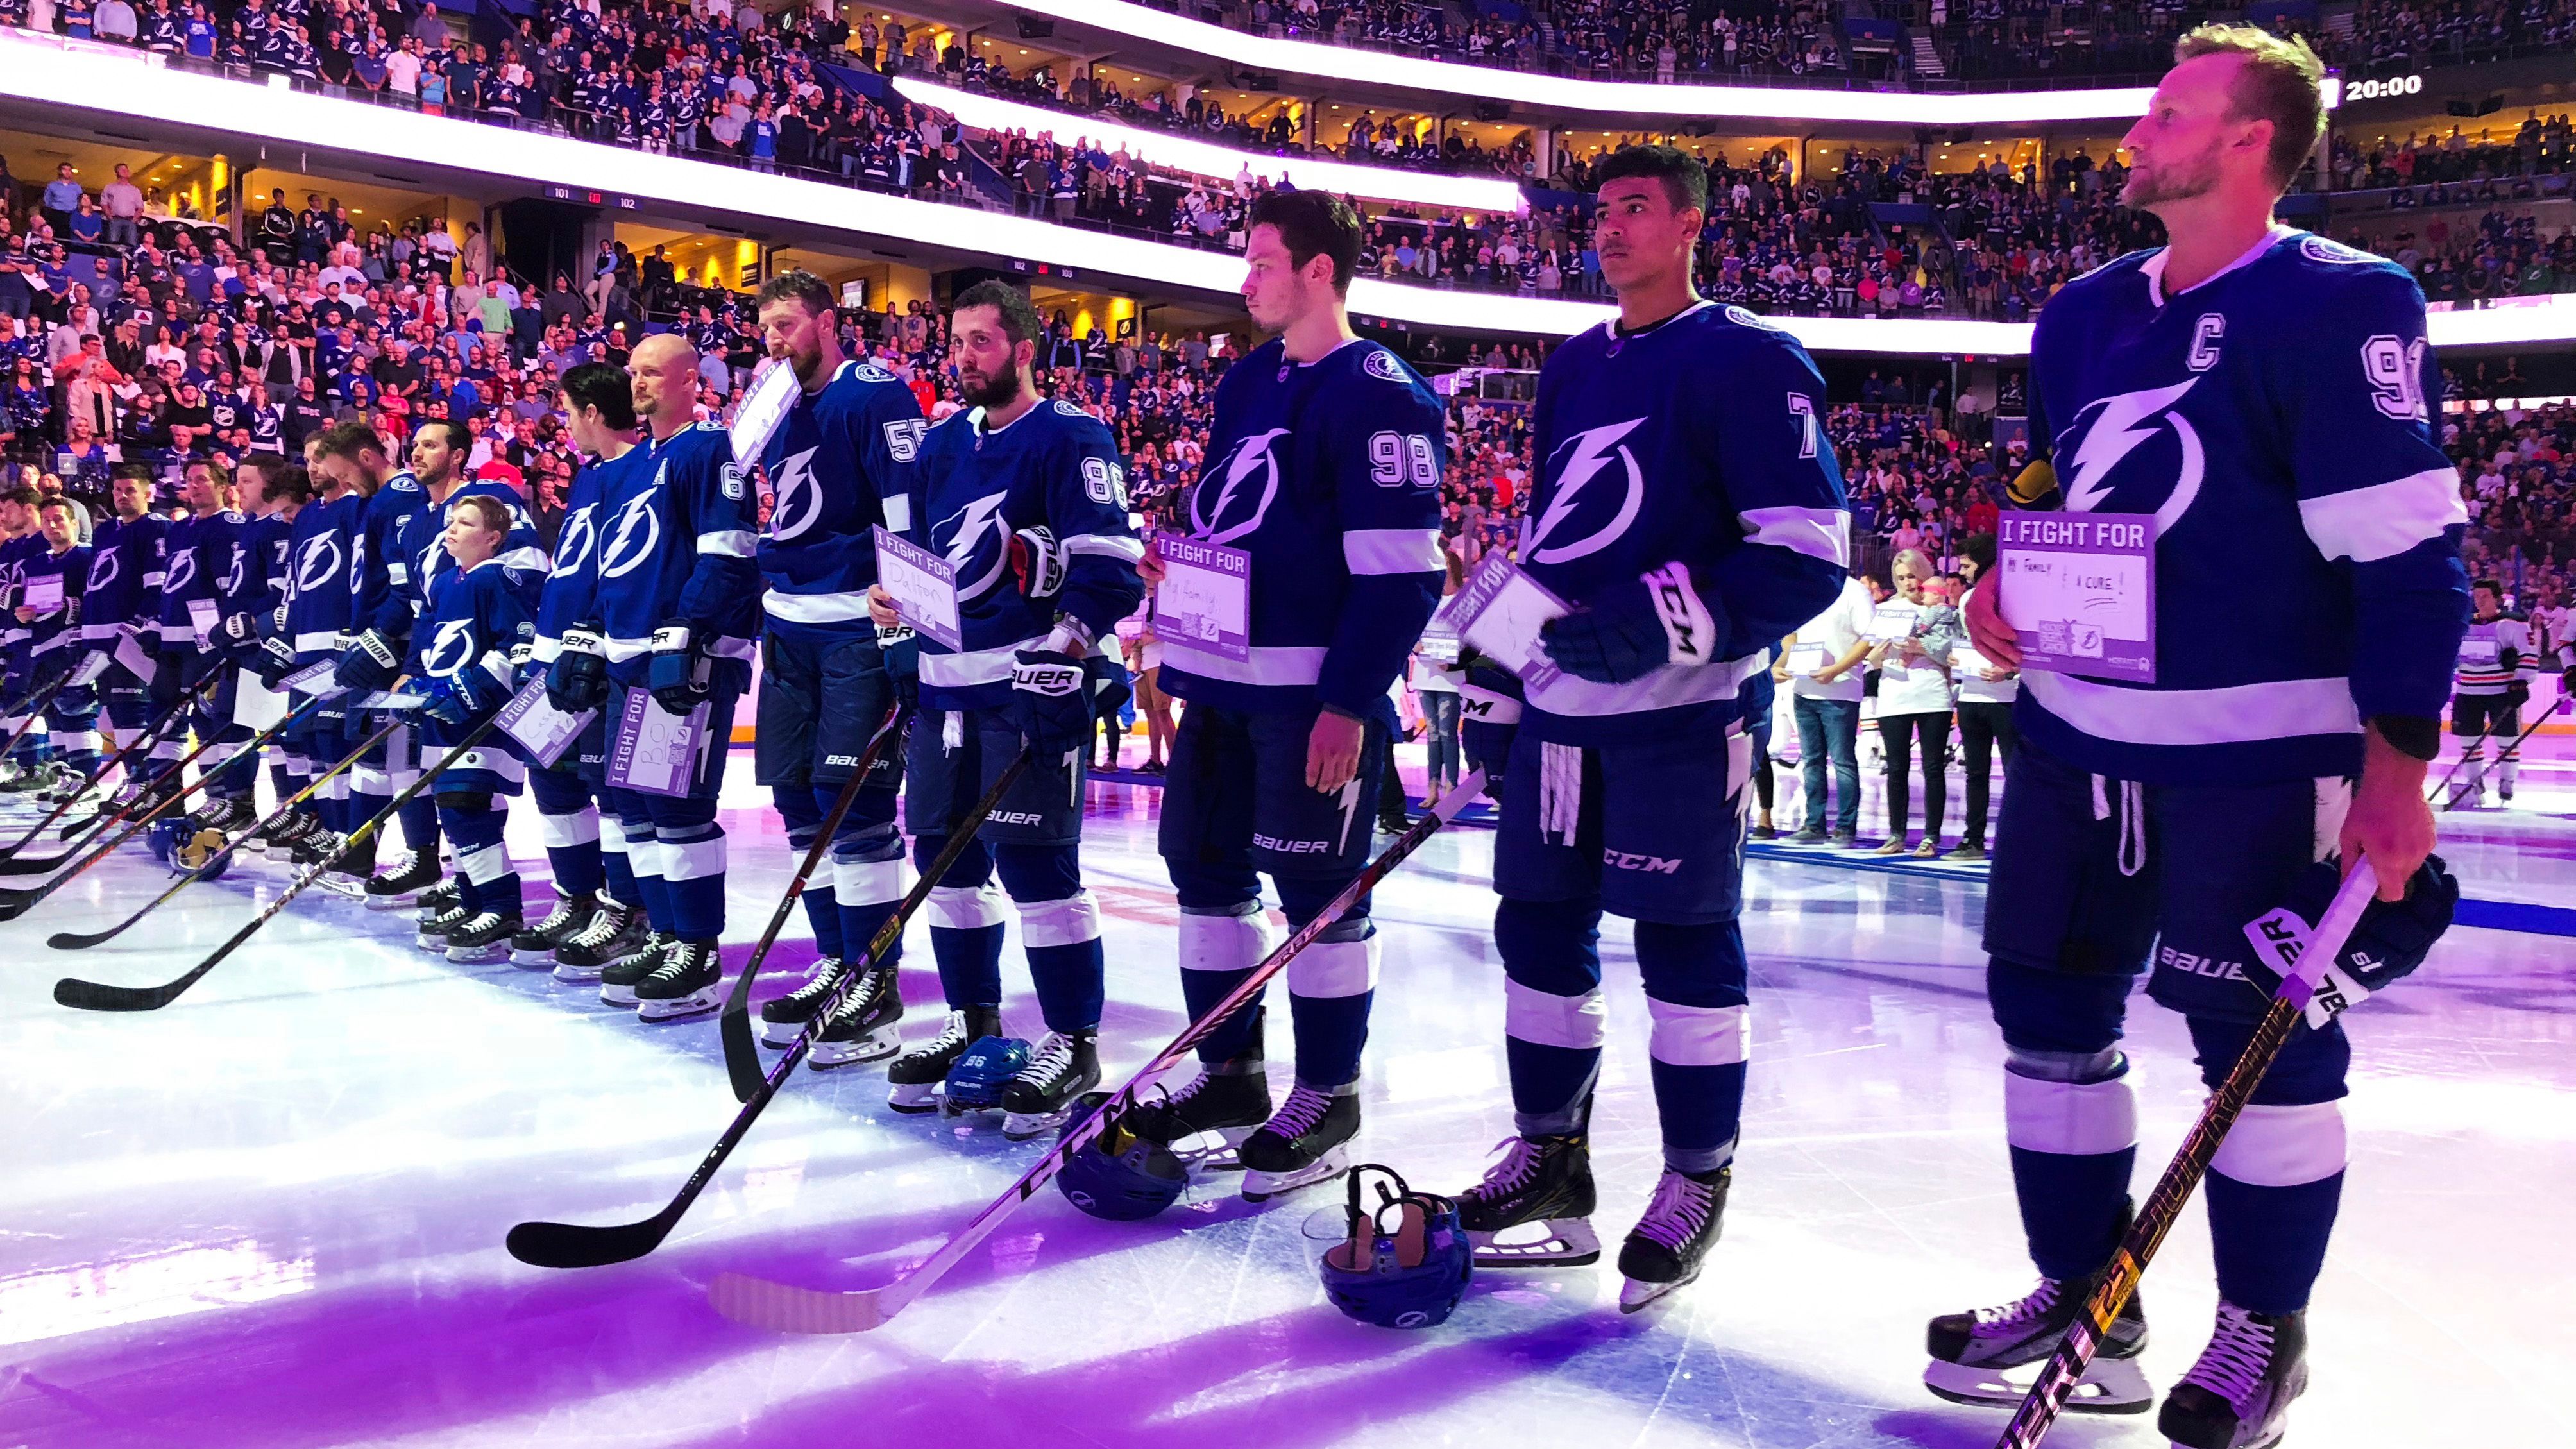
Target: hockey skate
437, 925
1975, 1354
612, 933
535, 946
356, 866
2238, 1394
864, 1026
914, 1079
688, 981
482, 940
1307, 1141
1664, 1251
1206, 1122
397, 888
783, 1020
1064, 1066
1534, 1208
617, 979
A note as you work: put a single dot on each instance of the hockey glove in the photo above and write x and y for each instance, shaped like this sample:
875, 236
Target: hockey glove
275, 661
92, 665
1038, 562
465, 696
679, 669
577, 680
1050, 705
2390, 941
238, 631
147, 638
370, 663
1489, 718
277, 621
1634, 630
2516, 695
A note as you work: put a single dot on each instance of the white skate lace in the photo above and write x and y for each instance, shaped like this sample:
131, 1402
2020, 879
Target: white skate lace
2034, 1305
1514, 1172
819, 978
1679, 1210
2238, 1353
557, 918
400, 865
674, 964
1054, 1058
859, 1002
1298, 1115
952, 1037
603, 928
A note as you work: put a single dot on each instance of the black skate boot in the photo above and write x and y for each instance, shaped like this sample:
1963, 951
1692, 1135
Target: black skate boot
783, 1020
1542, 1180
1681, 1224
437, 925
617, 979
2238, 1394
914, 1077
688, 982
1973, 1352
398, 888
862, 1027
1206, 1122
278, 840
613, 932
1305, 1142
224, 817
1064, 1066
438, 898
355, 867
483, 939
535, 946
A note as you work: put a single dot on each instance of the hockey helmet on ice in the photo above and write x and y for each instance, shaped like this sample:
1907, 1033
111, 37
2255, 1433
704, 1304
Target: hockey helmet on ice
1118, 1175
202, 851
163, 839
975, 1083
1406, 1262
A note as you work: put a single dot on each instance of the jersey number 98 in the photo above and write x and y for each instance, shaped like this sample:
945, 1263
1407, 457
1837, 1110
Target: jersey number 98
1396, 459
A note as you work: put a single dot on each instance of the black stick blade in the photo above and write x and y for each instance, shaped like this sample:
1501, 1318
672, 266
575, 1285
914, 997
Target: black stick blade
83, 940
82, 995
742, 1058
571, 1245
32, 867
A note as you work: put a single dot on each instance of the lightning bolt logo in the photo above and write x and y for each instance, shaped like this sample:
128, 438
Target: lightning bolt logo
2116, 426
800, 500
1586, 455
1253, 454
580, 531
635, 522
451, 649
966, 529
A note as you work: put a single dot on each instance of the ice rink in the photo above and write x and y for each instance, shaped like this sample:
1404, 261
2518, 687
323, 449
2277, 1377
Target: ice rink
272, 1214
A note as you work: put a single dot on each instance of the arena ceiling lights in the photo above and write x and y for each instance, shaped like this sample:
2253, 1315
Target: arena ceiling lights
1181, 153
73, 77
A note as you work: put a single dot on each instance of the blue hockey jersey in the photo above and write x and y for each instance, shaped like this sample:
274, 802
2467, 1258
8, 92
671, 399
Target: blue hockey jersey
380, 601
2276, 421
419, 541
330, 535
837, 467
200, 558
568, 595
1691, 450
1328, 475
1054, 467
57, 628
476, 618
15, 555
125, 574
677, 543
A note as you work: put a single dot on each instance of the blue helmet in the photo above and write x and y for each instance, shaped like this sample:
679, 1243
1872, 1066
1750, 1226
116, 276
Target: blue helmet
975, 1083
1118, 1175
202, 851
1406, 1262
163, 838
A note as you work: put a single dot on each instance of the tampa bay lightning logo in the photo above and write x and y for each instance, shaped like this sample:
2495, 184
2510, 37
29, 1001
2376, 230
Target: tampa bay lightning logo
104, 566
1586, 511
2327, 249
232, 582
580, 531
180, 572
1245, 483
870, 372
319, 563
2133, 452
1381, 364
967, 534
632, 536
450, 649
799, 504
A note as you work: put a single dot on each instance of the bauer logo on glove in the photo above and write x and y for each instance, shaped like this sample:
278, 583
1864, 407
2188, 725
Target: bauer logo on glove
2390, 941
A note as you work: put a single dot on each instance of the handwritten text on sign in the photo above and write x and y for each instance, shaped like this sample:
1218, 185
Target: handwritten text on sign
1205, 599
2079, 590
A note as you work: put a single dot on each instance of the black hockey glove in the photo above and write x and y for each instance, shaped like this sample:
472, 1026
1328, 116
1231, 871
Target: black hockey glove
2389, 942
1634, 630
1050, 703
370, 663
679, 668
577, 680
275, 661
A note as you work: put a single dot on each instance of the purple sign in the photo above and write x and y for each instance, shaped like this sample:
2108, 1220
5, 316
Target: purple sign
656, 752
1204, 602
2079, 590
924, 587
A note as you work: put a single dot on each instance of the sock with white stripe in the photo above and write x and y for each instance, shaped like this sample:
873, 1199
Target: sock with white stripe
1552, 1010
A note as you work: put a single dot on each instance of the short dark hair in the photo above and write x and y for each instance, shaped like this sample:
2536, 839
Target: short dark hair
1979, 549
284, 480
491, 511
2490, 585
1313, 224
799, 285
1020, 320
459, 437
599, 385
1685, 178
347, 440
23, 496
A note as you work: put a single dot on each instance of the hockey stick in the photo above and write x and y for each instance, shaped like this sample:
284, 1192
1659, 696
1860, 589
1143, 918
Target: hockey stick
150, 735
787, 1309
82, 995
572, 1245
742, 1059
36, 711
17, 903
2442, 791
2299, 977
82, 941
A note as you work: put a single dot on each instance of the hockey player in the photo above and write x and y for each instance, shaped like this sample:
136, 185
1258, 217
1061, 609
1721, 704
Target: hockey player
379, 629
676, 610
49, 609
481, 609
1028, 500
598, 917
125, 577
836, 465
273, 492
1686, 537
21, 543
1324, 466
200, 558
2264, 393
2487, 695
327, 539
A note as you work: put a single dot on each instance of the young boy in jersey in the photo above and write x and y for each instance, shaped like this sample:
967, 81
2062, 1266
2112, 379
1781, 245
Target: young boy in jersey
481, 610
1324, 466
2264, 393
1028, 500
2487, 695
1686, 536
837, 465
598, 917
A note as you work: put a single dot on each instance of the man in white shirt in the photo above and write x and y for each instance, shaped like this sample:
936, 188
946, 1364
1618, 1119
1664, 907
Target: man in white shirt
121, 199
402, 68
114, 21
1821, 665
